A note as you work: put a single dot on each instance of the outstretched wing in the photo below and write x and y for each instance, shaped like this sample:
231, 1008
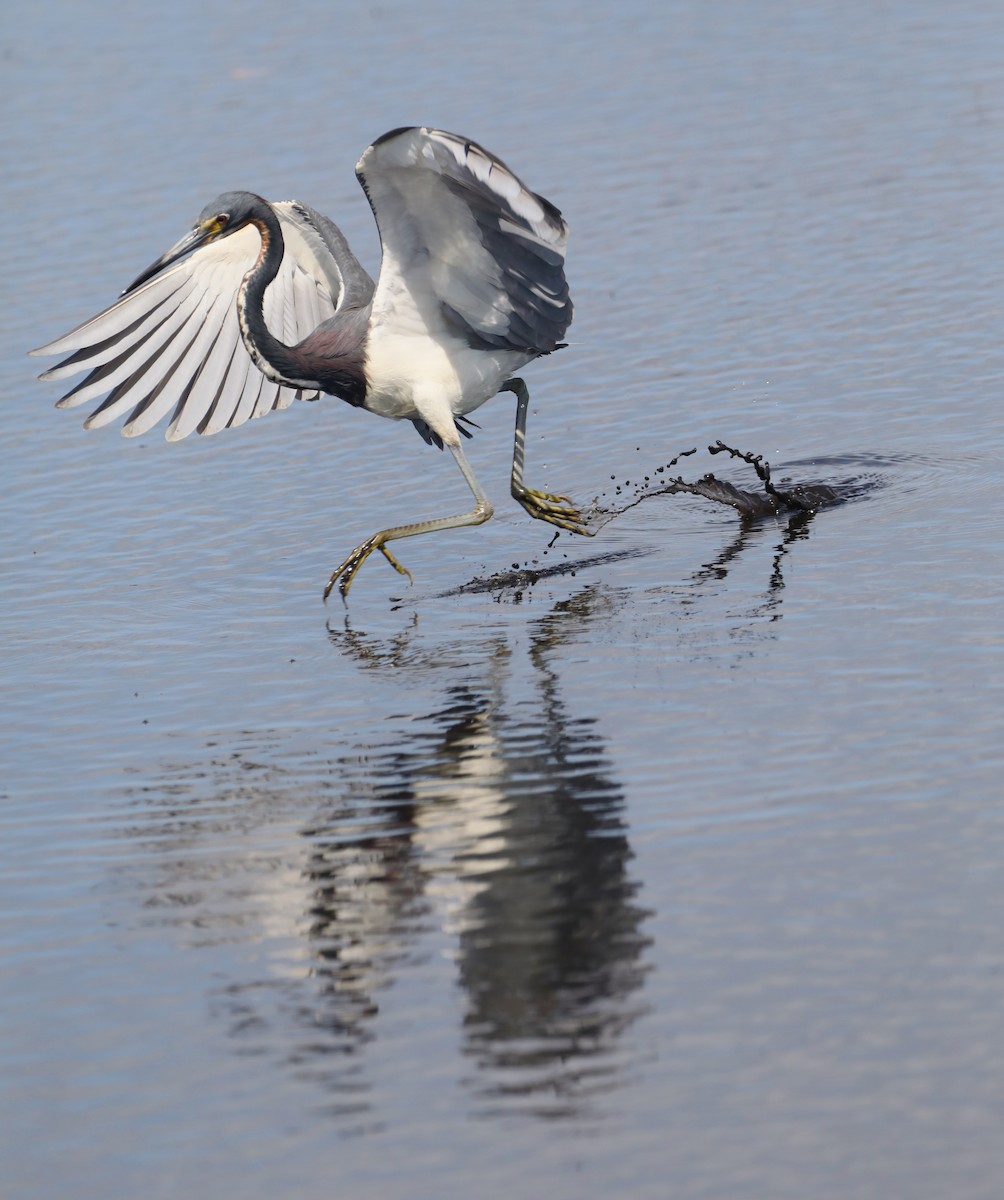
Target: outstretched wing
173, 346
465, 242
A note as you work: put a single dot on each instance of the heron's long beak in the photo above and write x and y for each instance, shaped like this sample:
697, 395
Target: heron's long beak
191, 241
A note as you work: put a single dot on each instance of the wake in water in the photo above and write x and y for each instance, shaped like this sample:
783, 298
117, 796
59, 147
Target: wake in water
770, 501
795, 502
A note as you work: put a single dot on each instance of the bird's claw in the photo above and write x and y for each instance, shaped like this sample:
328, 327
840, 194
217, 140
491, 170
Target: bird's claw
344, 574
552, 508
396, 565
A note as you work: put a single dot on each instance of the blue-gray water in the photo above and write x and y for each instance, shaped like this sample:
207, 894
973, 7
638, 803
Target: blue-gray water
675, 873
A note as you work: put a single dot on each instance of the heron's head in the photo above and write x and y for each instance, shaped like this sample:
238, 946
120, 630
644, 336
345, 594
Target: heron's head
226, 214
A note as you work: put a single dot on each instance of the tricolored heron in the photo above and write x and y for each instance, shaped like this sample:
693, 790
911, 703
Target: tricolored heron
263, 303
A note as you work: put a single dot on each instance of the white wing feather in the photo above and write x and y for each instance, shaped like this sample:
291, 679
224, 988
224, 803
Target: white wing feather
174, 344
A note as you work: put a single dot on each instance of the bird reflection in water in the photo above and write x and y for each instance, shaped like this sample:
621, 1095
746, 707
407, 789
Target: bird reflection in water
552, 955
503, 822
482, 846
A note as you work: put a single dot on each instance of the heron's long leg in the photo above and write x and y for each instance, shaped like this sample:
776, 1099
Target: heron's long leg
481, 512
545, 506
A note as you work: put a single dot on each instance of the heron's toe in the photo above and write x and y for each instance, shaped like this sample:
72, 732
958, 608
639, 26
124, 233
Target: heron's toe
401, 570
551, 498
554, 509
344, 574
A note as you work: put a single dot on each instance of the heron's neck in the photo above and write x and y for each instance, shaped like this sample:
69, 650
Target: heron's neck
273, 358
329, 359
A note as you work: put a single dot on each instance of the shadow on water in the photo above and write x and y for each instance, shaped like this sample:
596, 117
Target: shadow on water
494, 824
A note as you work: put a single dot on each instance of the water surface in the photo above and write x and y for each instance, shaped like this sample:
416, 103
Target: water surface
663, 863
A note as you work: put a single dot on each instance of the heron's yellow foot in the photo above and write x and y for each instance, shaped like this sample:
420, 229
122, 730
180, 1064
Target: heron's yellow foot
554, 509
344, 574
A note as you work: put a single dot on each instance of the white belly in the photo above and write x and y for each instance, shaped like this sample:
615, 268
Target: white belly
405, 371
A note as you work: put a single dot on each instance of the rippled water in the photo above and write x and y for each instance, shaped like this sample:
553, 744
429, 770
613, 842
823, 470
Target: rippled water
666, 863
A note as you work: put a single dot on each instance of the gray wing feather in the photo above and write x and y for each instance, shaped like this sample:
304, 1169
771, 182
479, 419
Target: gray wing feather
355, 287
461, 231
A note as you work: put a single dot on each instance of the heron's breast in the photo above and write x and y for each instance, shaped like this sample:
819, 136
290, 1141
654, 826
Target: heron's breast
404, 371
